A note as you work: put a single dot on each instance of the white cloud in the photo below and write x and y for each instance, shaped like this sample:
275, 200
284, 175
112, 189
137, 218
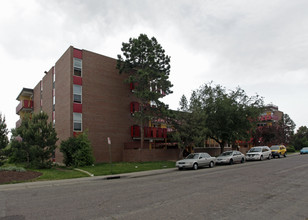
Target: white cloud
260, 46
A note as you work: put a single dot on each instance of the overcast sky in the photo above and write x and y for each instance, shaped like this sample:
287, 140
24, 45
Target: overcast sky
261, 46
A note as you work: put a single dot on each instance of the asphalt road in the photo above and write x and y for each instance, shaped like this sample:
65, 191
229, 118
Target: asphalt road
271, 189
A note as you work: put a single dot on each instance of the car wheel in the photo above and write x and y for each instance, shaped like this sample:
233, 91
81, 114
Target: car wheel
261, 158
180, 168
279, 155
269, 157
211, 164
285, 155
195, 166
242, 160
231, 162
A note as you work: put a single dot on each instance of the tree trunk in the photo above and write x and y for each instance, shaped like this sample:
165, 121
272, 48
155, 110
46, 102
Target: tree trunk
222, 147
141, 134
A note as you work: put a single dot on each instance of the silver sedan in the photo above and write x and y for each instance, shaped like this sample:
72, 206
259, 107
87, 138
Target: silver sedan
196, 160
230, 157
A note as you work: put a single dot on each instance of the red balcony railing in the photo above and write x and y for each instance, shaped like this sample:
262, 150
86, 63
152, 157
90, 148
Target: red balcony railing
149, 132
26, 105
134, 107
268, 117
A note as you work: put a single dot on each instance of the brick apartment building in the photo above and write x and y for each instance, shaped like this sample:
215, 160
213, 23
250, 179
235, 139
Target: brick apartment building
84, 91
270, 116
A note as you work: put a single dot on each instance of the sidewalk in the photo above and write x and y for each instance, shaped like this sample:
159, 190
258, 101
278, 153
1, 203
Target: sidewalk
38, 184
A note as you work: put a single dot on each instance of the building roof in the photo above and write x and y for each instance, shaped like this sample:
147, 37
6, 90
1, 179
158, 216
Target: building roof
25, 92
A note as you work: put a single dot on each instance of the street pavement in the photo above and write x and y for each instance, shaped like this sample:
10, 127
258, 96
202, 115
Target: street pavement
269, 189
87, 179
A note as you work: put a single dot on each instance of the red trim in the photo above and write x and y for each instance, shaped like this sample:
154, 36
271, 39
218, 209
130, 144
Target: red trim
149, 132
165, 132
154, 132
134, 107
76, 133
77, 107
77, 53
77, 80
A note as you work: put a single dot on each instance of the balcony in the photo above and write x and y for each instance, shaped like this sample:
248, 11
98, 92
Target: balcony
149, 133
25, 105
268, 118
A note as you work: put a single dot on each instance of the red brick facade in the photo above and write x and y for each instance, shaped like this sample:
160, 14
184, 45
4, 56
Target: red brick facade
105, 105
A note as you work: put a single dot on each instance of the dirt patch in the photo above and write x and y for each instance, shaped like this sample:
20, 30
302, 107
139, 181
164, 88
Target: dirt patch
13, 176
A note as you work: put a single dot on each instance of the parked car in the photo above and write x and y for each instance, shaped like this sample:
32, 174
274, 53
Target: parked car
259, 153
304, 150
230, 157
278, 150
196, 160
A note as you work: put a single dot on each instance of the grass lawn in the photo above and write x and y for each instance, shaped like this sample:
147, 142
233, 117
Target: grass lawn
58, 173
117, 168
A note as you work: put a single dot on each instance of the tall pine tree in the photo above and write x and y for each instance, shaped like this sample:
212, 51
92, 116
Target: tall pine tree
148, 69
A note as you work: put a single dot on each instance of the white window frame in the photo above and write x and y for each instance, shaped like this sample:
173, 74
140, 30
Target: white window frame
77, 63
77, 118
77, 92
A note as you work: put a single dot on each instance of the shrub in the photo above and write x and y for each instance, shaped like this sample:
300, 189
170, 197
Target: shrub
33, 142
77, 151
291, 149
13, 168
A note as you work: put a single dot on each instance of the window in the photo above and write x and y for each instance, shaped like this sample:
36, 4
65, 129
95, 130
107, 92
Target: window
77, 120
77, 67
77, 92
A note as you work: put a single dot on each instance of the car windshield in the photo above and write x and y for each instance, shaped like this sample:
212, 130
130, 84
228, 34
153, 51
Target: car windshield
275, 147
192, 156
255, 149
227, 153
305, 148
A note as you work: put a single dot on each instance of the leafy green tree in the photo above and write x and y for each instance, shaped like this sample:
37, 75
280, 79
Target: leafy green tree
3, 133
300, 138
3, 138
287, 126
148, 69
34, 141
189, 126
77, 151
227, 116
